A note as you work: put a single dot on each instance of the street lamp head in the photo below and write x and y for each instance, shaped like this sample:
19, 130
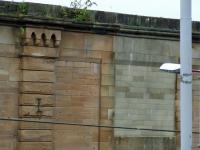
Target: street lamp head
170, 67
174, 68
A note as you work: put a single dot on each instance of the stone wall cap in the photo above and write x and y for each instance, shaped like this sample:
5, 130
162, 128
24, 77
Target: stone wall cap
101, 21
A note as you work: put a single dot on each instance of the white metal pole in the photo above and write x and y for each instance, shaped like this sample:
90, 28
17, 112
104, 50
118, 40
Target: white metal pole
186, 75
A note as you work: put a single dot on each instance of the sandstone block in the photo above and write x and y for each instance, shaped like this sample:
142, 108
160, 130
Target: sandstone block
34, 112
7, 143
38, 76
8, 87
73, 40
7, 35
36, 88
31, 100
106, 135
35, 146
108, 69
99, 42
107, 102
35, 136
72, 53
31, 63
107, 57
14, 69
35, 126
73, 101
8, 50
40, 51
107, 80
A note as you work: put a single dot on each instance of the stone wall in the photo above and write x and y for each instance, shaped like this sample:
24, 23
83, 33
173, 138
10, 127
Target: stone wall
9, 77
101, 73
90, 79
144, 96
39, 49
86, 70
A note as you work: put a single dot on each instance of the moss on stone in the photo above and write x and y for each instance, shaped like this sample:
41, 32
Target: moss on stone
59, 13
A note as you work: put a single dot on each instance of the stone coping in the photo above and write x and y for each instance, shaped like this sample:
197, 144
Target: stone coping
98, 21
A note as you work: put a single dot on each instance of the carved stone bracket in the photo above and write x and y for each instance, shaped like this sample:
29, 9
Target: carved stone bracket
41, 37
40, 42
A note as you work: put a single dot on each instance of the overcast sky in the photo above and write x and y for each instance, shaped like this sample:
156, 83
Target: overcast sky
158, 8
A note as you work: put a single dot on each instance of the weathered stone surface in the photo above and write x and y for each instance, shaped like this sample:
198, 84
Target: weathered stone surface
35, 146
35, 136
107, 57
68, 52
4, 68
14, 69
4, 75
8, 128
106, 135
38, 76
107, 80
108, 69
76, 90
8, 87
35, 126
143, 143
76, 138
31, 63
52, 37
143, 94
72, 40
77, 100
36, 88
85, 115
74, 101
98, 42
8, 143
107, 101
8, 50
106, 145
94, 54
40, 51
128, 80
7, 35
31, 100
8, 104
33, 112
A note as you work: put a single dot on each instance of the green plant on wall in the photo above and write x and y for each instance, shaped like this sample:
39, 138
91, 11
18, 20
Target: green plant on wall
22, 8
79, 4
22, 31
79, 10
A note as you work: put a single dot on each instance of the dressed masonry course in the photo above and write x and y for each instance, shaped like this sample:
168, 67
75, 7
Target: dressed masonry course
103, 71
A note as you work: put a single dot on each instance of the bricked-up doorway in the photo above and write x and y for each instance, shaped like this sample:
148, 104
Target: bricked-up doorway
77, 101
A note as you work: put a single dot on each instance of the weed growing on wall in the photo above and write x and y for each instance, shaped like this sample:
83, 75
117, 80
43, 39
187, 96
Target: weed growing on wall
79, 11
22, 8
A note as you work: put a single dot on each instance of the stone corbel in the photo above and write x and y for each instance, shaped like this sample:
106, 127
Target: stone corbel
37, 42
47, 42
57, 43
33, 37
26, 41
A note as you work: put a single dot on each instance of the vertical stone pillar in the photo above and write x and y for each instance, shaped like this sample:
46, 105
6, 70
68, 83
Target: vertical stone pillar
40, 48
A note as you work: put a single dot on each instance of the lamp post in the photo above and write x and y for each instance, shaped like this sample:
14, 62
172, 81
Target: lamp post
185, 103
186, 74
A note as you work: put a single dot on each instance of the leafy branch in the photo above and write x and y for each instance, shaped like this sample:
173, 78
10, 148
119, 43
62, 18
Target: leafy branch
80, 10
22, 8
78, 4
